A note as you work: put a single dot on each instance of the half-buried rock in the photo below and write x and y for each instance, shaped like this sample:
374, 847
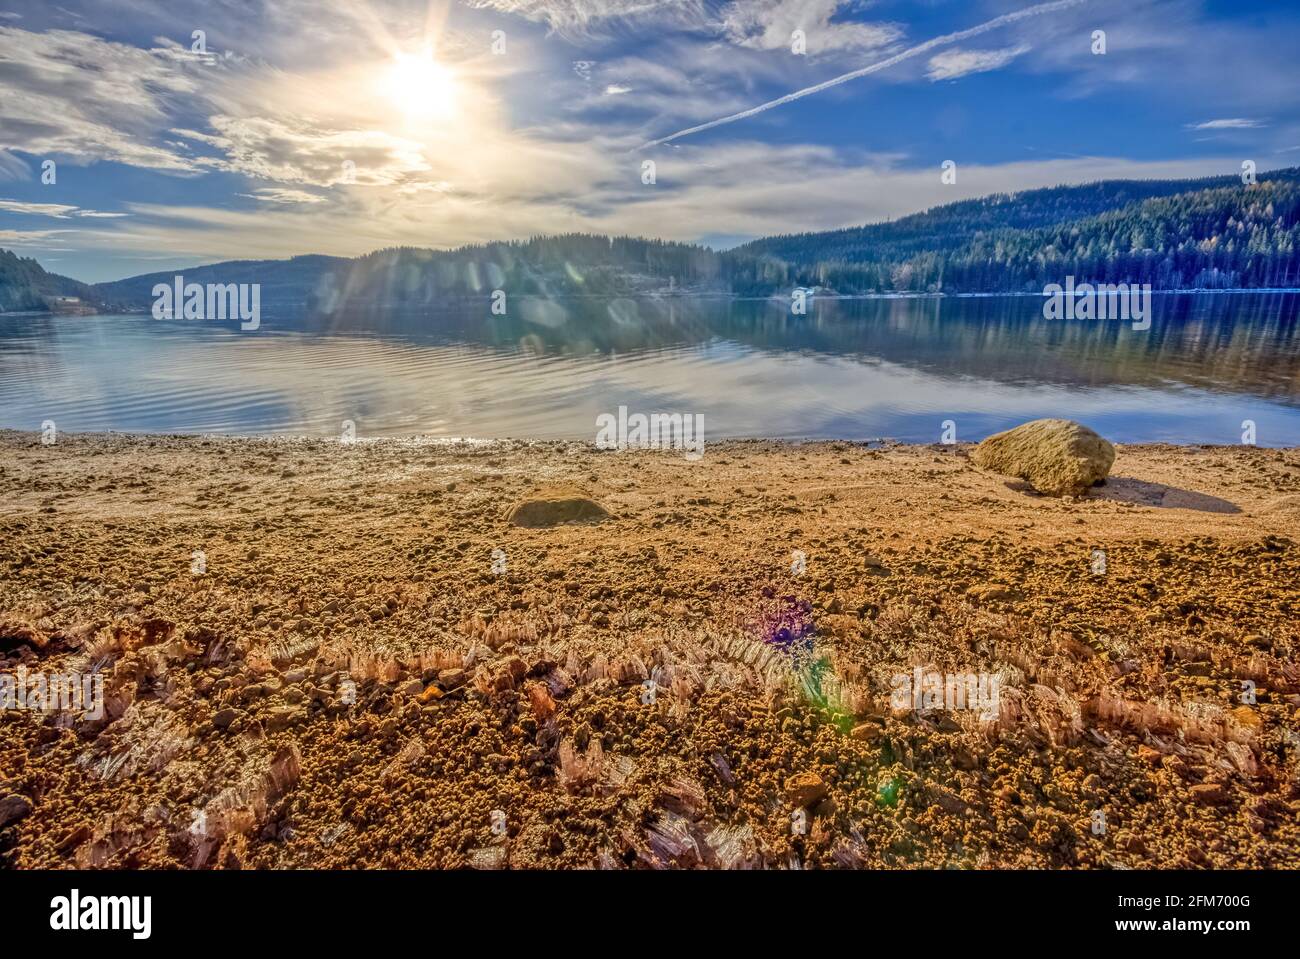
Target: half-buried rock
552, 507
1056, 457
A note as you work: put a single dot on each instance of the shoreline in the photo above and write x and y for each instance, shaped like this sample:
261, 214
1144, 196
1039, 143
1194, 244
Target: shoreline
718, 295
500, 667
8, 434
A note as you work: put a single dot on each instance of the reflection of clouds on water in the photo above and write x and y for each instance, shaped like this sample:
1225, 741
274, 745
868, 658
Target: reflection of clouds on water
853, 370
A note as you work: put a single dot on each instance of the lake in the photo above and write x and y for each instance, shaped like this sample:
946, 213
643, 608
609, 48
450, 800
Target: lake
854, 369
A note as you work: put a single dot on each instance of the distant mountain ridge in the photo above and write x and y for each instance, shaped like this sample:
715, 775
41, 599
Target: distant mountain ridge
1174, 234
291, 281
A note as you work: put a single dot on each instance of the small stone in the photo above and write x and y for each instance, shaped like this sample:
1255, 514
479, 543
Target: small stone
1134, 844
1209, 794
805, 789
14, 808
431, 694
1245, 716
865, 732
1149, 755
73, 838
949, 801
225, 717
451, 678
282, 717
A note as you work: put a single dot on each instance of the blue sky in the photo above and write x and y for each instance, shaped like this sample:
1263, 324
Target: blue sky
343, 126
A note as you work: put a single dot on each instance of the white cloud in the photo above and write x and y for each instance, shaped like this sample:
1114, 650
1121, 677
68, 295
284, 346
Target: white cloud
31, 238
71, 94
283, 195
1237, 123
570, 16
300, 150
58, 211
958, 63
770, 24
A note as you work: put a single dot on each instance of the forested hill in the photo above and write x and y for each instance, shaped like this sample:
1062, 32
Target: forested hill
24, 285
952, 225
1225, 236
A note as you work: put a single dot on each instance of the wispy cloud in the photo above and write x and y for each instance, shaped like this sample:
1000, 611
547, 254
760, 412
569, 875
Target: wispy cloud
1235, 123
952, 64
770, 25
31, 238
283, 195
579, 15
59, 211
296, 149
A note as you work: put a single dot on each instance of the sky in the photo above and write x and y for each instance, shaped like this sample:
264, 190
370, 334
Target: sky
346, 126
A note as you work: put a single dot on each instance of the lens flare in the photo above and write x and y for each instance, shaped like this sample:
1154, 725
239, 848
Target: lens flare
419, 86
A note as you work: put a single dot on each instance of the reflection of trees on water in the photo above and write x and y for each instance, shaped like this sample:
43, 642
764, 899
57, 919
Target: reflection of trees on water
1241, 342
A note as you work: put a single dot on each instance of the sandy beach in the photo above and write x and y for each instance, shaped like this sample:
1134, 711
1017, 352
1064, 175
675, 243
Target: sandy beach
316, 654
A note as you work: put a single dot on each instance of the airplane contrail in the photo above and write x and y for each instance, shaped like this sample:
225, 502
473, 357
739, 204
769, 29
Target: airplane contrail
873, 68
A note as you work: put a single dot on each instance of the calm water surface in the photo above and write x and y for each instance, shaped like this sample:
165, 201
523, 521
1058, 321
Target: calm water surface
850, 369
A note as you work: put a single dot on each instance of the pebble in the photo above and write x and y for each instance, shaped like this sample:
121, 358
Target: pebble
805, 789
1209, 794
451, 678
14, 808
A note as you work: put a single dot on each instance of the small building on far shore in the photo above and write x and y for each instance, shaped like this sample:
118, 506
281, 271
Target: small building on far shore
69, 306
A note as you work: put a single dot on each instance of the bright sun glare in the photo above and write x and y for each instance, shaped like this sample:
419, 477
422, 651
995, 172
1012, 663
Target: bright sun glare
419, 85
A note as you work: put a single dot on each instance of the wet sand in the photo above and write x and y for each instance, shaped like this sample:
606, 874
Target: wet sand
703, 679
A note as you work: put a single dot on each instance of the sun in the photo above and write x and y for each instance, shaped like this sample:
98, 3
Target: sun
419, 86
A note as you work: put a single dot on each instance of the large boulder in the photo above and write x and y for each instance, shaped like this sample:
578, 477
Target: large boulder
1056, 457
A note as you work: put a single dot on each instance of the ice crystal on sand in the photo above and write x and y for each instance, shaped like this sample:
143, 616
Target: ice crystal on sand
851, 851
580, 769
685, 797
120, 834
722, 768
244, 804
671, 843
606, 860
411, 752
147, 737
733, 847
